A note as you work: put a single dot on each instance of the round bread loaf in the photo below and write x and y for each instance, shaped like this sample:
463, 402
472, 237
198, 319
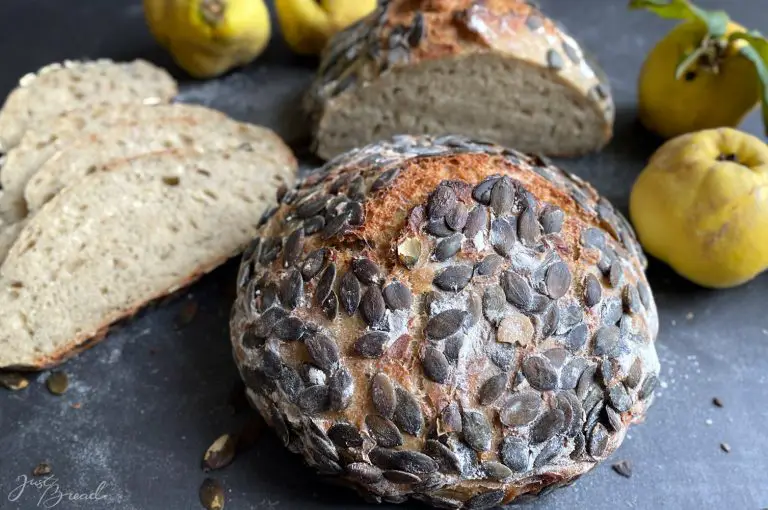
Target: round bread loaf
446, 320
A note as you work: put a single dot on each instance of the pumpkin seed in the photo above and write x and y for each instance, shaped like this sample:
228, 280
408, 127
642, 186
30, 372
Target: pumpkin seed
322, 351
408, 416
292, 290
592, 290
313, 263
409, 251
364, 472
447, 247
438, 228
547, 425
489, 265
485, 500
367, 271
402, 477
349, 293
313, 225
444, 324
383, 431
552, 219
220, 453
42, 469
293, 247
212, 494
372, 308
449, 419
456, 219
447, 461
325, 284
521, 409
623, 468
397, 296
441, 202
492, 389
314, 400
528, 229
517, 290
515, 454
619, 398
476, 430
540, 373
57, 383
558, 280
416, 463
345, 435
13, 381
554, 60
435, 365
383, 395
453, 278
371, 344
477, 221
503, 236
482, 192
548, 453
341, 389
598, 440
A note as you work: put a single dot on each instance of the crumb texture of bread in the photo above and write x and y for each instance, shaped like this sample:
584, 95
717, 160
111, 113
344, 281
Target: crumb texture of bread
47, 139
86, 155
122, 237
497, 70
446, 320
72, 84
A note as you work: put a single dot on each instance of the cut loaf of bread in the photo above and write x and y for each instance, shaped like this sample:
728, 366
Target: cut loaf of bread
43, 141
498, 70
124, 141
60, 87
102, 249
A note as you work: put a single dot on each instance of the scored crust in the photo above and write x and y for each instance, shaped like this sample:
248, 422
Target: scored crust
446, 320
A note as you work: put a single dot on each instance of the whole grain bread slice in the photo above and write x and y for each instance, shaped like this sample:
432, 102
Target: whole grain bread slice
102, 249
42, 141
66, 86
125, 141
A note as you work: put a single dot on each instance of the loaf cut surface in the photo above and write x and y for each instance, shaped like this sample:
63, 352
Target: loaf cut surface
102, 249
46, 139
497, 70
446, 320
60, 87
86, 155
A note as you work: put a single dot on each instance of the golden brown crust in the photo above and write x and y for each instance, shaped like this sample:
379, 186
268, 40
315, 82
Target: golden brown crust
441, 349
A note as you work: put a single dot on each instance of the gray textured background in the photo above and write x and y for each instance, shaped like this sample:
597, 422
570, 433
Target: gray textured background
155, 394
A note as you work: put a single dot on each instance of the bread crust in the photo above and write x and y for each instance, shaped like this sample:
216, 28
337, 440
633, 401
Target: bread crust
415, 191
403, 33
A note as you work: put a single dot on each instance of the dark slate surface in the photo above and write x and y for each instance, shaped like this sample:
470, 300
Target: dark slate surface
144, 405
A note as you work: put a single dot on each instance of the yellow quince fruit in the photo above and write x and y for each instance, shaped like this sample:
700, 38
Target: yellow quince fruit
308, 25
701, 206
207, 38
705, 73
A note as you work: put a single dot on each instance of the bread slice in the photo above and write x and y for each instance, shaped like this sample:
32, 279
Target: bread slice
60, 87
104, 248
497, 70
124, 141
44, 140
